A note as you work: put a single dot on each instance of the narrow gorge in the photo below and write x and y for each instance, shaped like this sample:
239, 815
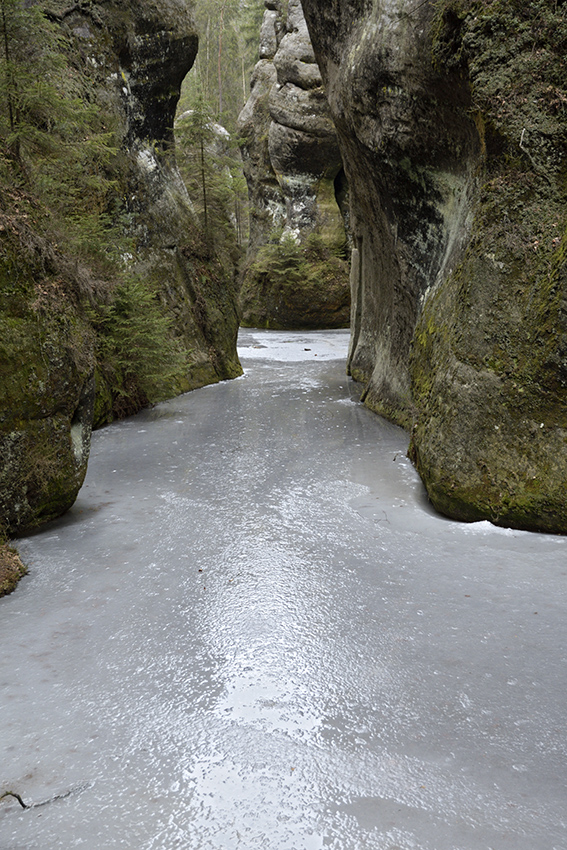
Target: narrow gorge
283, 590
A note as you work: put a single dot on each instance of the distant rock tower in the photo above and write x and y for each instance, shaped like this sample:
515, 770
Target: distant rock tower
296, 185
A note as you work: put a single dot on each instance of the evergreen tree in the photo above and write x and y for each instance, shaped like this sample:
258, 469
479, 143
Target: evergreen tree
212, 171
228, 48
30, 63
215, 91
51, 140
59, 169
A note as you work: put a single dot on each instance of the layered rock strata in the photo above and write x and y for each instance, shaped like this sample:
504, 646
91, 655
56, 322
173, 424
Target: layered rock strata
452, 128
294, 173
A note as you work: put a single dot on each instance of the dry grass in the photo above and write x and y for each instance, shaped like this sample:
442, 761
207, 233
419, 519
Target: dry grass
11, 569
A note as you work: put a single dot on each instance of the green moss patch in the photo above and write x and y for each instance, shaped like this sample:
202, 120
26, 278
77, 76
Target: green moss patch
296, 286
489, 357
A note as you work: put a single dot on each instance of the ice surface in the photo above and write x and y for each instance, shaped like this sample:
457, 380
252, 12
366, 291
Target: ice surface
253, 632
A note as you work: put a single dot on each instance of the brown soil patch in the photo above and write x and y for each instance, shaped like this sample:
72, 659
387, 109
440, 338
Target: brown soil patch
11, 569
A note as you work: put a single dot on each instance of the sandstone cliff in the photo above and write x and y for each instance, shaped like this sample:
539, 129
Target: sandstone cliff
294, 173
453, 130
127, 60
142, 53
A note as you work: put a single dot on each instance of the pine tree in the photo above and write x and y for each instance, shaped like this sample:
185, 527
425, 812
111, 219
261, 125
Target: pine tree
51, 140
210, 165
35, 102
228, 46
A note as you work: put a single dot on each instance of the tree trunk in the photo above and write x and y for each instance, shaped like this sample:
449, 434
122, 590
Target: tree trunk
9, 73
203, 178
219, 65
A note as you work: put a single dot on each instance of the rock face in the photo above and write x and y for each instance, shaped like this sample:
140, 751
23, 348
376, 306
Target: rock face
134, 57
142, 52
294, 173
46, 394
454, 147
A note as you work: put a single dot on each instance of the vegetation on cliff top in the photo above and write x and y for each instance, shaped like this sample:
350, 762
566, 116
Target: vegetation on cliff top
228, 50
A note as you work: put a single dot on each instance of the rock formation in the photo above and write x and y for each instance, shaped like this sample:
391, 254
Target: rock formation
46, 397
143, 52
133, 57
294, 173
453, 131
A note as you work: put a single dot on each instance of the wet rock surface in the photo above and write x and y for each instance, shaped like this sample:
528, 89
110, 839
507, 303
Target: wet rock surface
252, 631
294, 172
455, 157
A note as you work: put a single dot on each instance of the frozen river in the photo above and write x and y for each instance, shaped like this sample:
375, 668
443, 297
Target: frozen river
252, 632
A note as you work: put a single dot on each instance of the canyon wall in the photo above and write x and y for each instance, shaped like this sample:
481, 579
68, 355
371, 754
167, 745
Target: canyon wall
127, 60
296, 183
142, 52
453, 132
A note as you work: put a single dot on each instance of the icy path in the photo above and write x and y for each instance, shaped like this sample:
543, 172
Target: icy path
251, 632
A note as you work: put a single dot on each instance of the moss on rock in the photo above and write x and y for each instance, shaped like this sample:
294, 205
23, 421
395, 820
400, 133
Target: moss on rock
452, 122
46, 384
292, 286
103, 278
489, 360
